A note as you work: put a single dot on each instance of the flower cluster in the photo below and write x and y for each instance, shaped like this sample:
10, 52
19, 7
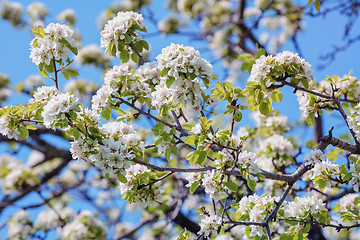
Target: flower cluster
212, 184
347, 85
120, 30
37, 10
255, 208
180, 59
149, 73
355, 172
209, 225
138, 187
321, 173
315, 156
304, 207
68, 15
278, 145
348, 207
269, 68
58, 106
11, 11
116, 150
84, 226
92, 55
247, 163
5, 92
81, 88
181, 66
52, 43
353, 120
19, 226
53, 217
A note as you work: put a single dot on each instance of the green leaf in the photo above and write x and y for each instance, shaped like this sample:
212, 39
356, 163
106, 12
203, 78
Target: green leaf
317, 5
68, 73
31, 126
260, 53
265, 107
310, 119
135, 57
144, 44
23, 132
44, 74
310, 2
251, 184
164, 72
121, 177
127, 38
76, 133
276, 95
73, 49
191, 139
231, 186
38, 31
112, 49
106, 114
124, 56
193, 187
246, 57
201, 158
238, 116
50, 68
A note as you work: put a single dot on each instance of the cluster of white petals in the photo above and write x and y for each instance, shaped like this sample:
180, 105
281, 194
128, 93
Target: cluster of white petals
347, 203
263, 66
11, 11
180, 85
347, 85
34, 81
67, 15
302, 206
37, 10
248, 160
148, 72
19, 225
116, 28
84, 226
212, 185
92, 55
256, 208
278, 144
122, 77
180, 59
135, 193
53, 217
81, 88
54, 45
353, 120
315, 156
115, 151
304, 104
209, 224
58, 106
323, 168
5, 130
193, 177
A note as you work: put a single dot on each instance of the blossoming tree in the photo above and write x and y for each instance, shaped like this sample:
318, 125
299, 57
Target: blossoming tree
168, 136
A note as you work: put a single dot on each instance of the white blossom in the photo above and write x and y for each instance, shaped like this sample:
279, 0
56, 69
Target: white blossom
52, 46
209, 224
315, 156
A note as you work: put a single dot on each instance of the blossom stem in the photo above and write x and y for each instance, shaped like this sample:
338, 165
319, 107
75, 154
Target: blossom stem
155, 180
55, 72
